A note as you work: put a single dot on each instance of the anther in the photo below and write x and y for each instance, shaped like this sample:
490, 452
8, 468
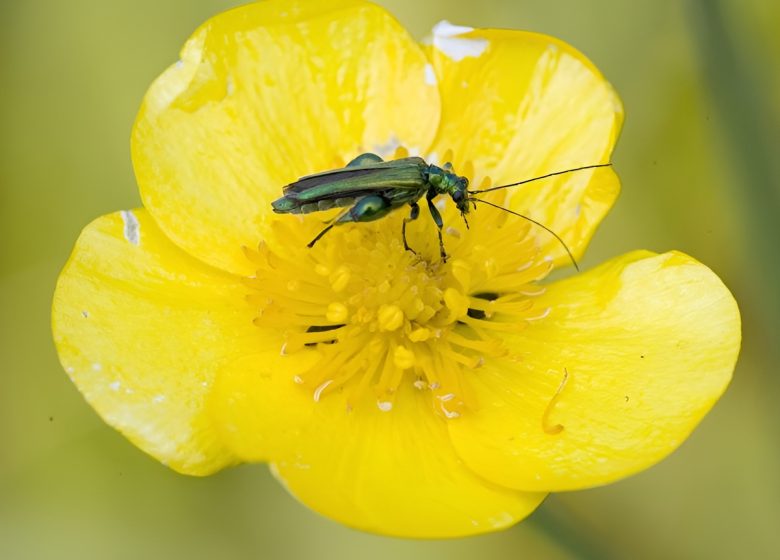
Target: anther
403, 358
340, 278
337, 312
390, 317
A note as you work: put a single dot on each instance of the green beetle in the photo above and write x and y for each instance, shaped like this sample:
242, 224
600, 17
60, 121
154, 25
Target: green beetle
371, 188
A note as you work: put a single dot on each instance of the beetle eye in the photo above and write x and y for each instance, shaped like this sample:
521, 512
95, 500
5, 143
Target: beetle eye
457, 196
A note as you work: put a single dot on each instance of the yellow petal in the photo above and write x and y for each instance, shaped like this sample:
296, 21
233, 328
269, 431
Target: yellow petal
393, 472
257, 404
519, 105
141, 327
264, 94
645, 344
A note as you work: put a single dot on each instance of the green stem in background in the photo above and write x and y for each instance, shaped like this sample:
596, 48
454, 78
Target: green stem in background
570, 532
743, 112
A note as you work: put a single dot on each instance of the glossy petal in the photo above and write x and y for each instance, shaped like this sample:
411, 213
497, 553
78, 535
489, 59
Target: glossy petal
264, 94
519, 105
649, 343
392, 472
141, 328
256, 404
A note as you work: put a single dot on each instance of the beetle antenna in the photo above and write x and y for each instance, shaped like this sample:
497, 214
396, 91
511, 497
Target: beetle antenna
541, 225
542, 177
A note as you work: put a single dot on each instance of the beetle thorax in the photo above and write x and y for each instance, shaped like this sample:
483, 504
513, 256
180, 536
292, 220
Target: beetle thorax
444, 181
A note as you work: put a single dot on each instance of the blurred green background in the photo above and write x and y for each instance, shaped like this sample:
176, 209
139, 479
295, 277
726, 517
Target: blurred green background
700, 80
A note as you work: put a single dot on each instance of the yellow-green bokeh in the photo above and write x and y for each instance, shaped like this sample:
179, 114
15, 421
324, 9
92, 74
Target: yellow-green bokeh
698, 160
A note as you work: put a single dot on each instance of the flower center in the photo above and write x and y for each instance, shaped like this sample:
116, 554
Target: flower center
379, 316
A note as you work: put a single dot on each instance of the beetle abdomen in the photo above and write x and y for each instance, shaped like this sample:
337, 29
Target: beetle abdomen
286, 205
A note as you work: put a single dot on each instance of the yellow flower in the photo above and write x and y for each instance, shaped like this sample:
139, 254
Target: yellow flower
387, 390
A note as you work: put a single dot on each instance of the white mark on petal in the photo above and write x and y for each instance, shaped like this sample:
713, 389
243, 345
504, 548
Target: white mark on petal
85, 313
446, 39
452, 232
97, 366
318, 391
298, 379
384, 406
179, 64
132, 227
158, 398
430, 75
501, 520
283, 351
230, 87
446, 29
114, 385
447, 397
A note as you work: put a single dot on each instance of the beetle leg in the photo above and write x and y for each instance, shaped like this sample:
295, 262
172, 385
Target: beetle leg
367, 209
334, 222
320, 234
438, 221
412, 216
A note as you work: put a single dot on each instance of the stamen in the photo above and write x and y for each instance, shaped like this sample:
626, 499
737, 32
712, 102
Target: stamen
375, 316
318, 391
557, 428
543, 315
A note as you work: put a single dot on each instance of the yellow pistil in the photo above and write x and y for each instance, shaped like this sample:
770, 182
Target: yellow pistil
379, 316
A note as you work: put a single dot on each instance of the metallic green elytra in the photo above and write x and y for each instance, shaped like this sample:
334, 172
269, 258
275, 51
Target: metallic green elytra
372, 188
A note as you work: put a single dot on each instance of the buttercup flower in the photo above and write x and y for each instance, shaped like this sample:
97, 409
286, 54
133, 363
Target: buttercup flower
387, 389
